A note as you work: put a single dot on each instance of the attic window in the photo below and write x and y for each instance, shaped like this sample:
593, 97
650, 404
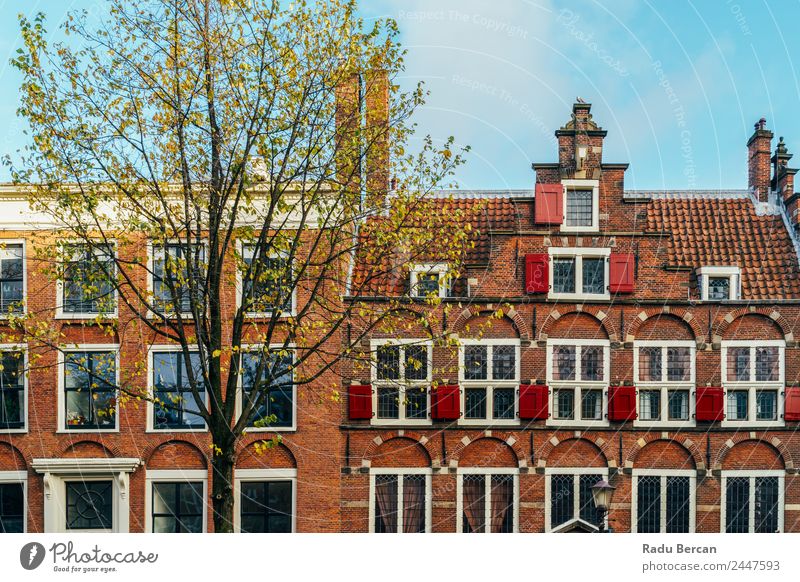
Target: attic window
719, 283
581, 206
429, 280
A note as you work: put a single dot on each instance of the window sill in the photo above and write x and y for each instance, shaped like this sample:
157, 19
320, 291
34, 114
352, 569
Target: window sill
578, 424
85, 316
579, 296
579, 229
401, 422
489, 422
175, 430
679, 424
254, 429
752, 424
13, 430
268, 315
86, 430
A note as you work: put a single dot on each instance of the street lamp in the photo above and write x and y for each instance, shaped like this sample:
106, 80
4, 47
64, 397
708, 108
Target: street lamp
602, 492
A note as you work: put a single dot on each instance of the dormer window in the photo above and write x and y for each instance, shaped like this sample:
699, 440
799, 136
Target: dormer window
581, 206
719, 283
429, 280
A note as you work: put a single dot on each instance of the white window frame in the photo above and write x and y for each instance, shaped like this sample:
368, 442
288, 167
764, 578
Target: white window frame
488, 472
241, 245
663, 474
489, 384
578, 254
152, 313
150, 428
261, 475
440, 269
4, 243
56, 472
577, 384
576, 472
401, 472
752, 386
240, 390
733, 274
62, 396
173, 476
401, 384
61, 314
751, 474
665, 385
21, 477
594, 186
21, 347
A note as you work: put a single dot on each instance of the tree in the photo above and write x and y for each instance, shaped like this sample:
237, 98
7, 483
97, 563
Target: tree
186, 148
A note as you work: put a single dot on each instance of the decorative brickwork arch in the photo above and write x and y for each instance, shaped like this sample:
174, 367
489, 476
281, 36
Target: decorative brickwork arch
166, 451
399, 451
686, 443
775, 444
11, 458
595, 311
685, 316
252, 456
90, 447
491, 447
372, 449
774, 317
514, 316
598, 442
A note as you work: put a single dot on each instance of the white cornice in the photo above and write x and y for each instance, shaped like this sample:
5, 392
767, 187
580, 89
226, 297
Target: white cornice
86, 466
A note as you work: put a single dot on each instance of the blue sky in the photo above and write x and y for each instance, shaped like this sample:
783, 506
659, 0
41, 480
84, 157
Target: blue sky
677, 84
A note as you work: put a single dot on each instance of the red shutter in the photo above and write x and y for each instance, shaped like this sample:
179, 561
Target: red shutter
360, 402
445, 403
533, 400
791, 408
549, 204
620, 273
537, 273
621, 403
709, 404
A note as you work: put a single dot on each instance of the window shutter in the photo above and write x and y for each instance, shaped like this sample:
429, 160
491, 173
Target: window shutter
621, 403
537, 273
533, 402
709, 404
549, 204
620, 273
446, 403
360, 402
791, 408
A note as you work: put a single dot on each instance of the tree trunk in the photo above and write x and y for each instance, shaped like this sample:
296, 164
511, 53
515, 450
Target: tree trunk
222, 464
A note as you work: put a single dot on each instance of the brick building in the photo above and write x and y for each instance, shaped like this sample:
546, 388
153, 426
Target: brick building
642, 337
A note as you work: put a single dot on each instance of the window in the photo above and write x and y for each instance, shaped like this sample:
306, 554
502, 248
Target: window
12, 507
581, 206
181, 267
267, 283
490, 377
266, 506
175, 405
570, 500
177, 507
12, 390
89, 505
577, 371
267, 380
86, 286
753, 379
664, 373
429, 280
400, 502
90, 392
752, 503
663, 503
579, 273
12, 278
719, 283
402, 377
487, 502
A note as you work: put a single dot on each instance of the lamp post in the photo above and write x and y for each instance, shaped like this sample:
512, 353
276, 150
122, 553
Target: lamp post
602, 492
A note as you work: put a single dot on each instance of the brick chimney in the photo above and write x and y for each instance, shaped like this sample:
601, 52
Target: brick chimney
348, 129
783, 181
759, 148
376, 133
580, 144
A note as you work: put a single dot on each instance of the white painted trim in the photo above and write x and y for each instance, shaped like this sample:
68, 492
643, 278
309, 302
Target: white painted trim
490, 383
20, 347
734, 275
150, 427
240, 391
240, 244
576, 472
259, 475
21, 477
174, 476
488, 472
61, 314
440, 269
665, 385
753, 386
751, 474
401, 472
151, 312
578, 385
594, 185
579, 253
663, 474
401, 384
61, 428
4, 243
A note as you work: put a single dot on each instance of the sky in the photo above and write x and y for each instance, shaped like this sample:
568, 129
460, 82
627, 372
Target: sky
677, 84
